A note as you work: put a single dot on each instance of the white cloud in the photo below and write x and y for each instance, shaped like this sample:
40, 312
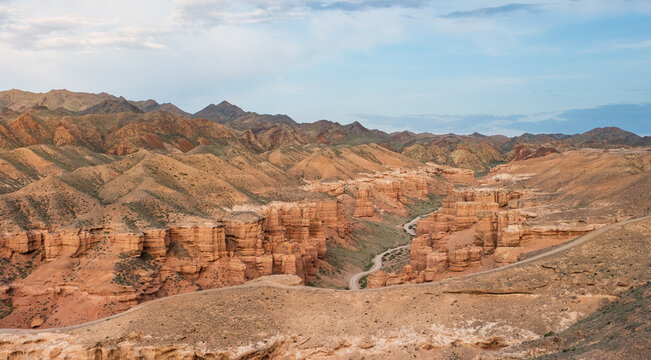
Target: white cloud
636, 45
77, 33
207, 13
92, 41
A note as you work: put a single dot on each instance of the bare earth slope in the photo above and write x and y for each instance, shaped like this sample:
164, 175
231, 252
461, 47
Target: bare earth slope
116, 125
486, 314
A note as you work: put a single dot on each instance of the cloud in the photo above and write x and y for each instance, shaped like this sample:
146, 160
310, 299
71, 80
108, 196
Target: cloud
75, 32
97, 40
636, 45
210, 13
217, 12
492, 11
445, 123
24, 33
633, 117
364, 4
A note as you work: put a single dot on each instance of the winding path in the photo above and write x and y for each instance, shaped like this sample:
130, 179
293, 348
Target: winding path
353, 283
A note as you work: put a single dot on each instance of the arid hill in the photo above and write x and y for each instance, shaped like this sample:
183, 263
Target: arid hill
86, 230
493, 247
522, 208
64, 111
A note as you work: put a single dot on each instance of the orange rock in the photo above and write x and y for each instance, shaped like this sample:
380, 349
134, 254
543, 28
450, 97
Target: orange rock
506, 255
128, 243
205, 242
69, 242
475, 254
243, 236
376, 280
156, 242
37, 322
363, 204
22, 242
459, 259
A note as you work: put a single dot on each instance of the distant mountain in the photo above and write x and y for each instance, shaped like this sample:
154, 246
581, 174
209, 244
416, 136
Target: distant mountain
258, 122
54, 99
172, 109
115, 125
329, 132
151, 105
221, 113
607, 136
112, 106
145, 105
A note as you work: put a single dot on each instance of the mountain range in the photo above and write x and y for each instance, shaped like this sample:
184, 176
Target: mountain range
114, 125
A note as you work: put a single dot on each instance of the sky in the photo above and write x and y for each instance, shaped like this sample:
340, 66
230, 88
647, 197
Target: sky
420, 65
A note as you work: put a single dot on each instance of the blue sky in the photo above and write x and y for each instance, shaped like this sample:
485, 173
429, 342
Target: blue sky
420, 65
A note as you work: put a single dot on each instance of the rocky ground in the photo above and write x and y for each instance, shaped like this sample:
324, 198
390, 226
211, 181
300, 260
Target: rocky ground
523, 208
107, 203
490, 315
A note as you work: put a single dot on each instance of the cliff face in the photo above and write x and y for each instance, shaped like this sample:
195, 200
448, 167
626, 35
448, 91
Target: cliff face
476, 228
388, 191
123, 268
460, 209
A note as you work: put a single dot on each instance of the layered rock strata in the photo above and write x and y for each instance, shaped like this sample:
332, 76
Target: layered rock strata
128, 267
388, 191
473, 223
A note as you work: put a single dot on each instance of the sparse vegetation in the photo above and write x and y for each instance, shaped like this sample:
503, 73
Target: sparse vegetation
128, 270
363, 282
6, 307
420, 208
178, 250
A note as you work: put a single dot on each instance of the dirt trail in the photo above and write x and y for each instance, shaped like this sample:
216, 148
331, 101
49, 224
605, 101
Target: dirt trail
353, 283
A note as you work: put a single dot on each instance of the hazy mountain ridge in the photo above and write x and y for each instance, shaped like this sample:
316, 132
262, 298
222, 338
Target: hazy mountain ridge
115, 125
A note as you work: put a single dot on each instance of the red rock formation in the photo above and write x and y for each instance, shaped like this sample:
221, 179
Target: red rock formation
363, 204
156, 242
524, 152
128, 243
377, 279
22, 242
204, 242
127, 267
331, 212
499, 228
389, 191
463, 208
67, 243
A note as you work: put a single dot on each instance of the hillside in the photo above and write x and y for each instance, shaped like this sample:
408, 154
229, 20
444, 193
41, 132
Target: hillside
69, 115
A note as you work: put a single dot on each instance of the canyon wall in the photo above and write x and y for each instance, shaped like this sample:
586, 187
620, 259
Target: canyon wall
388, 191
123, 268
476, 228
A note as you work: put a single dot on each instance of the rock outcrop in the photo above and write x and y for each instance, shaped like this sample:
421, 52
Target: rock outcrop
473, 223
124, 268
388, 191
462, 209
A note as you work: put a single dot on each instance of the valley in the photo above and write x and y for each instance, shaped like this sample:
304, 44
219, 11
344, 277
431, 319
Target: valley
136, 229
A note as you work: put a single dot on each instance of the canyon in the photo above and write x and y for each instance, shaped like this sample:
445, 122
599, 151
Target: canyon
111, 269
135, 229
478, 228
498, 314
